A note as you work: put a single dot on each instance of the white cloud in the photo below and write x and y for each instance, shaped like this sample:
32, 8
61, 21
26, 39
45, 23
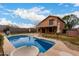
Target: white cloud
75, 13
36, 13
26, 26
4, 21
39, 10
65, 5
23, 25
76, 4
5, 11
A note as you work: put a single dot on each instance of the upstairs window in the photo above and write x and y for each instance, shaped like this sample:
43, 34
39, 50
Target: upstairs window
51, 22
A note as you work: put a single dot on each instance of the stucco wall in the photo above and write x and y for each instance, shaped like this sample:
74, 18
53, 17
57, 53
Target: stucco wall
45, 23
61, 25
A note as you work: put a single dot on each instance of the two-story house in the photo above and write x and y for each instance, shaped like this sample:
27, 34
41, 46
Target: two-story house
51, 24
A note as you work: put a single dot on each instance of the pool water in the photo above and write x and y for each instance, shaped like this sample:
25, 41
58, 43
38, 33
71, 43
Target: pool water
23, 40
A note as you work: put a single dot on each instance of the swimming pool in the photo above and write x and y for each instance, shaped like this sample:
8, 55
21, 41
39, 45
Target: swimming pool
23, 40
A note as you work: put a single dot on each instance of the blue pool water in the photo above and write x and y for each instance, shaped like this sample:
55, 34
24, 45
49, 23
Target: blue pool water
23, 40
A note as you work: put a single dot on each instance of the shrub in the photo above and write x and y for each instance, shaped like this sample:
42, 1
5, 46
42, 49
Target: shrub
1, 39
1, 45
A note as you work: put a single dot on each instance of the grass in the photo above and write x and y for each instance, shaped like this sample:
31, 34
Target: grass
73, 40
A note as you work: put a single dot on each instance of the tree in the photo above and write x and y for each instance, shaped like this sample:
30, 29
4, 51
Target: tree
70, 21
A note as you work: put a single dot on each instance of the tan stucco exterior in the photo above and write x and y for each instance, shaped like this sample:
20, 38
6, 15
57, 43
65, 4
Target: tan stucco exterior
44, 25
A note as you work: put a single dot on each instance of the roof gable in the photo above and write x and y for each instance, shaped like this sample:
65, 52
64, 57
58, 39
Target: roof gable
49, 17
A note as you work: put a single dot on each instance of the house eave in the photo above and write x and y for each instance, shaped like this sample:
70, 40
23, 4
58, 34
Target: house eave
45, 26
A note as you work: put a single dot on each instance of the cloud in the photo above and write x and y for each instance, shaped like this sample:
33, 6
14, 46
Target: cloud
75, 13
6, 12
35, 13
4, 21
76, 4
39, 10
23, 25
65, 5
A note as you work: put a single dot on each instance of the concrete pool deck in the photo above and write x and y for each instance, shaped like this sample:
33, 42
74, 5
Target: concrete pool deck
8, 47
59, 49
25, 51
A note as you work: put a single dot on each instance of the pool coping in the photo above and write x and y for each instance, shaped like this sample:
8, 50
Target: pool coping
7, 47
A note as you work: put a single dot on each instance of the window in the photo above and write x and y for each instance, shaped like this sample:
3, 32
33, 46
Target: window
51, 22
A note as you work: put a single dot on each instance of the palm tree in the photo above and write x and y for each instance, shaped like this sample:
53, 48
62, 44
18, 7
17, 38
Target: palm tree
1, 44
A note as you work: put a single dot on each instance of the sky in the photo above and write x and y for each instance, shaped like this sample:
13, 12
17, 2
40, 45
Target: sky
30, 14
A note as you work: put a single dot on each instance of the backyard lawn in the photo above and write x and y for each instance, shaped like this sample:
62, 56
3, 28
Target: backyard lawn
71, 40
